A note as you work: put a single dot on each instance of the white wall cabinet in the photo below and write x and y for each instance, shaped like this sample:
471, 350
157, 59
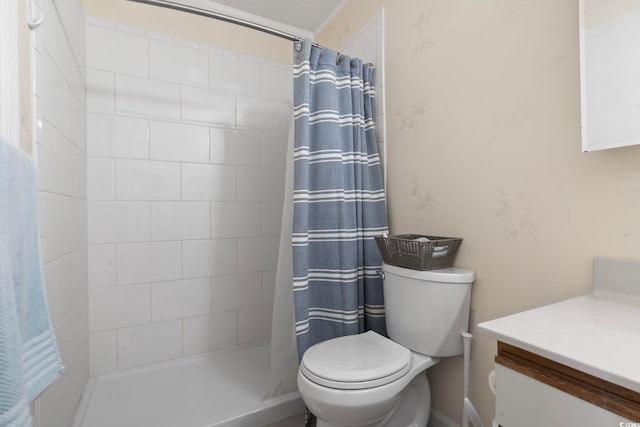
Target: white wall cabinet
609, 66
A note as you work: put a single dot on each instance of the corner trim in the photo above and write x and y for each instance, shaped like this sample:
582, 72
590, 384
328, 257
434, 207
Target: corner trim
9, 101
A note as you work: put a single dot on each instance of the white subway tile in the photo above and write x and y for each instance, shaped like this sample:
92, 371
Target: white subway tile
71, 167
268, 286
50, 277
210, 48
119, 306
76, 223
149, 262
254, 324
209, 257
185, 43
116, 136
208, 106
180, 220
115, 221
46, 155
72, 334
102, 352
100, 91
76, 124
131, 30
235, 219
179, 142
234, 75
159, 36
273, 148
180, 299
276, 83
208, 333
70, 283
101, 178
148, 98
51, 90
102, 265
92, 20
178, 64
271, 219
257, 113
260, 184
147, 180
234, 147
128, 137
147, 344
54, 225
236, 291
258, 253
98, 141
117, 51
208, 182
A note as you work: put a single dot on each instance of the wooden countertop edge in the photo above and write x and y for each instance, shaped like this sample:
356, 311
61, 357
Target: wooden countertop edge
612, 397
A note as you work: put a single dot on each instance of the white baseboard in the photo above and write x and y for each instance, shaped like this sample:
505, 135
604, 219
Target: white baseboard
438, 419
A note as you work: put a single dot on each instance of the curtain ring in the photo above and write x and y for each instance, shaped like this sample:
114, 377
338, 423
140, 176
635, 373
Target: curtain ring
33, 23
338, 58
298, 46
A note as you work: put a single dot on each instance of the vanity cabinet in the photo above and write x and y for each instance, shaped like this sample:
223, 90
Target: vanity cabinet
574, 363
533, 391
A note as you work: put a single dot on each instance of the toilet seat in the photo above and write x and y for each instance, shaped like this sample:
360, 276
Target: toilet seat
356, 362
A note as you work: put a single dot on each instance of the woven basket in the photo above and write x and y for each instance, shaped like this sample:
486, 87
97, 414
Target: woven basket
403, 250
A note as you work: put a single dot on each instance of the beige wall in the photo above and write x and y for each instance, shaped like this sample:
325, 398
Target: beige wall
483, 116
192, 27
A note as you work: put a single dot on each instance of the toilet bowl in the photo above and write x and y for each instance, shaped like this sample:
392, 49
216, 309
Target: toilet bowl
368, 380
365, 386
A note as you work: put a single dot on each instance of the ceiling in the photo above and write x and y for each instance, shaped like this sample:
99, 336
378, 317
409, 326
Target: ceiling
307, 15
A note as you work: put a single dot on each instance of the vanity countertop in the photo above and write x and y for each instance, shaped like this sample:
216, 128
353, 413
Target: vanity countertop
597, 333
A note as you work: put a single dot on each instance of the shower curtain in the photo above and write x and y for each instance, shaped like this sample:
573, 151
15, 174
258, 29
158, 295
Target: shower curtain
338, 198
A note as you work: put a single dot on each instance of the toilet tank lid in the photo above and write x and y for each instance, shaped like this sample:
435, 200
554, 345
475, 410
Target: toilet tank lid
443, 275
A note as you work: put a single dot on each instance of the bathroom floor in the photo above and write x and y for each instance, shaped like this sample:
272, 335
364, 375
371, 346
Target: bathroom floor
293, 421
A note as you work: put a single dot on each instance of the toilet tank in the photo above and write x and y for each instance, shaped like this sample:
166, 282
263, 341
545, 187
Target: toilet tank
426, 311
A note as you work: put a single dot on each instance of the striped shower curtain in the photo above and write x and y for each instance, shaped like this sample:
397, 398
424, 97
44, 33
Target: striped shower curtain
338, 200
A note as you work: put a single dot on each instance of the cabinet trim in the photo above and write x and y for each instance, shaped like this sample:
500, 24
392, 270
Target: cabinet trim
612, 397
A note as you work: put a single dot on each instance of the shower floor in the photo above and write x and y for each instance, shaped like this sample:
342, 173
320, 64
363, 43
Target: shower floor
220, 389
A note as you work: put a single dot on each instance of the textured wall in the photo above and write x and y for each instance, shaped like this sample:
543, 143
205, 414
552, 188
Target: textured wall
483, 142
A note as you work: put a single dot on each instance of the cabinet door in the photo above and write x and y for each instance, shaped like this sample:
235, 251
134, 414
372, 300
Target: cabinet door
609, 66
524, 402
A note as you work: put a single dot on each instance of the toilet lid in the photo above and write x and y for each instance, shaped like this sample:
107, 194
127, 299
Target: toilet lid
356, 362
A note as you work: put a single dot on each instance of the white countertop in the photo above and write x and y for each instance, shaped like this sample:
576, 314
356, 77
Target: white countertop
597, 333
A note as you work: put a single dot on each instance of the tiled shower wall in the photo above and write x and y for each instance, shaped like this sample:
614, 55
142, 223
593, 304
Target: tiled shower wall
186, 157
59, 70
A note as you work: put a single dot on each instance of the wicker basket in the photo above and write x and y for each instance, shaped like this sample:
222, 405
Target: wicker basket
403, 250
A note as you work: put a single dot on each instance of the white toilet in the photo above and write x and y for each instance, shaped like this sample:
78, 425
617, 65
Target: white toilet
369, 380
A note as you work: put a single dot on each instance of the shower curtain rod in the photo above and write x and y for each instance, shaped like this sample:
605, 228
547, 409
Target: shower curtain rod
221, 17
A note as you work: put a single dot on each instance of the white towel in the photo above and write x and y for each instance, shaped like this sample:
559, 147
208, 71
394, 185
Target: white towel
29, 357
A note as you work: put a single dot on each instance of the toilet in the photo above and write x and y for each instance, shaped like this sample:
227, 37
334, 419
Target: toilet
368, 380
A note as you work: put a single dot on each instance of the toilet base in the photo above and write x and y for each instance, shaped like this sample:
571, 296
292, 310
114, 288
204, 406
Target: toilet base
412, 410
